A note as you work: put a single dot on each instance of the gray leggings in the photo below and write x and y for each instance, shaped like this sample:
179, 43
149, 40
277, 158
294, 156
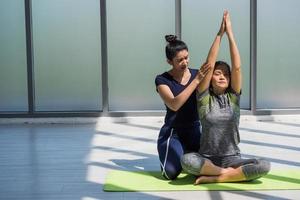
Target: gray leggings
252, 168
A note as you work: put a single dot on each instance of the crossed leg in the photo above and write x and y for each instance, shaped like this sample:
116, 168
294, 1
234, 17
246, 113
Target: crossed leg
238, 170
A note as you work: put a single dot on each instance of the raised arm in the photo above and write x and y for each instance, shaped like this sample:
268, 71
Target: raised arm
212, 56
174, 103
236, 74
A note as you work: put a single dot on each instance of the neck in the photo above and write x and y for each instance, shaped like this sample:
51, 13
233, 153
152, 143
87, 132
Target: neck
219, 91
178, 73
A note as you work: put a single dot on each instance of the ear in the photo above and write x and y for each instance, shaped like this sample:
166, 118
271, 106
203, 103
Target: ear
170, 62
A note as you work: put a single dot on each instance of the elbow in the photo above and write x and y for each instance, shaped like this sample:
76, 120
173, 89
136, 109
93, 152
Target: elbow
175, 104
174, 108
236, 68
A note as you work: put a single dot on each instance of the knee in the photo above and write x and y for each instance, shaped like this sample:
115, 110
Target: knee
171, 172
263, 166
260, 168
192, 163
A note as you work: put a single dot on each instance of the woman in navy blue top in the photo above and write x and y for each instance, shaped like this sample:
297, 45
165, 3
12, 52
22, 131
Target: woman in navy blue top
181, 130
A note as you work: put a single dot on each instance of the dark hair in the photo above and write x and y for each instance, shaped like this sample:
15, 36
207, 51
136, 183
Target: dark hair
174, 46
222, 63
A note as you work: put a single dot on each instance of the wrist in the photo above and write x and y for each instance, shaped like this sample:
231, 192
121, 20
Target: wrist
220, 33
229, 33
197, 80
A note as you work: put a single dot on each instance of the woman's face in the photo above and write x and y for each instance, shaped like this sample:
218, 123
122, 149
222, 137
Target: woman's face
220, 78
181, 61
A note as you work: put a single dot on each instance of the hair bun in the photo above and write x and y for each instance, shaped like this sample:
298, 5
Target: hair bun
170, 38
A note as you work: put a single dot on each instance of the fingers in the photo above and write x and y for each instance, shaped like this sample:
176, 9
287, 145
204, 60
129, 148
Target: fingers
205, 65
226, 12
222, 27
205, 68
227, 20
226, 15
202, 74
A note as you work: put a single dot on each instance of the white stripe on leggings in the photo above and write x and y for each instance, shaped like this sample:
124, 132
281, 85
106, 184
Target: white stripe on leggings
166, 157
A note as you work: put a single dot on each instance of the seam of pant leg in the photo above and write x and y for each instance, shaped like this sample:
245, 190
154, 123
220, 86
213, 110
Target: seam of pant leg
166, 156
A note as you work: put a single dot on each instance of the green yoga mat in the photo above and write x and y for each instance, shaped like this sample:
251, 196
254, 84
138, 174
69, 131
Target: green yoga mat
129, 181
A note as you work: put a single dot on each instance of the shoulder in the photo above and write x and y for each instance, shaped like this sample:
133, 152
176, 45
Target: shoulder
163, 78
233, 96
193, 71
203, 97
203, 102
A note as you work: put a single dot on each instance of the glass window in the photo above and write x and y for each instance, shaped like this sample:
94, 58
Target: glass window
13, 63
67, 55
136, 54
278, 52
200, 23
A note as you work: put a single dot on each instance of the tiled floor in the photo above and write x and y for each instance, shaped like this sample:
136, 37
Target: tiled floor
70, 161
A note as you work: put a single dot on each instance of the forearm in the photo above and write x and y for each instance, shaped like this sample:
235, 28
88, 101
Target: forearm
236, 74
177, 102
214, 50
234, 52
211, 60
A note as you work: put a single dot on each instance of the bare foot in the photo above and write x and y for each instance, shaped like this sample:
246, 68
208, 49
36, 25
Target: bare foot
205, 179
229, 175
226, 170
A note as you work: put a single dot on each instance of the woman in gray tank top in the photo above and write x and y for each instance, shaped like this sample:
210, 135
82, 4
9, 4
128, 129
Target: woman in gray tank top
218, 104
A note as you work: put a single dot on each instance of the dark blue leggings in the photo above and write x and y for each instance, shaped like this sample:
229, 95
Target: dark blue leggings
172, 143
